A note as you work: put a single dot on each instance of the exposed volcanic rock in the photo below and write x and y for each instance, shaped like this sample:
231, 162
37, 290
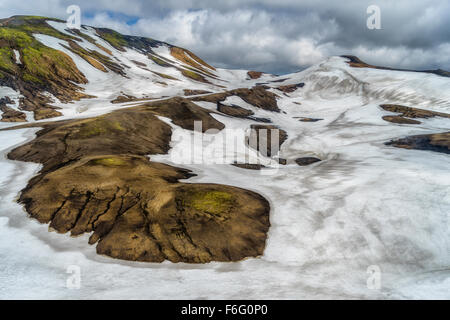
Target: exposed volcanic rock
137, 210
250, 166
309, 119
124, 98
183, 113
11, 115
160, 60
410, 112
165, 76
305, 161
254, 74
438, 142
46, 113
213, 98
128, 131
261, 137
188, 92
234, 110
355, 62
6, 100
257, 96
96, 178
239, 112
291, 87
190, 59
194, 75
400, 120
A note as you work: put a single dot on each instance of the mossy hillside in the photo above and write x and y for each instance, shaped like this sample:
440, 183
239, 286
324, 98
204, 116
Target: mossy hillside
114, 38
40, 62
15, 38
165, 76
44, 63
6, 60
97, 127
193, 75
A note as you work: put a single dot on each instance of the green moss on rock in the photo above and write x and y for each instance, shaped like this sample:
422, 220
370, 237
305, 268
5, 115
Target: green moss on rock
114, 38
109, 162
214, 202
6, 59
98, 127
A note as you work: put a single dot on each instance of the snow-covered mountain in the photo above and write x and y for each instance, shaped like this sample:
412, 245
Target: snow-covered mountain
361, 181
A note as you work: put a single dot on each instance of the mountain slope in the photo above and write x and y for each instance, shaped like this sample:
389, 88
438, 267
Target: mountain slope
361, 177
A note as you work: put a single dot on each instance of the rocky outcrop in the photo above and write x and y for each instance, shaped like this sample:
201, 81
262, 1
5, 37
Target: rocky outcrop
96, 178
42, 69
249, 166
305, 161
189, 92
11, 115
257, 96
291, 87
302, 119
261, 137
355, 62
254, 74
437, 142
407, 114
400, 120
124, 98
234, 110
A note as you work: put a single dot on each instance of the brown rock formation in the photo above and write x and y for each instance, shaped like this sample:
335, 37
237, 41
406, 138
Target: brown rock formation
137, 210
189, 92
437, 142
409, 112
305, 161
291, 87
258, 139
96, 178
11, 115
400, 120
257, 96
254, 74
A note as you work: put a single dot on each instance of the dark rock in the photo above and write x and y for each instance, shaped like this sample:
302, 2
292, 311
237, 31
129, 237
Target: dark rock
400, 120
188, 92
234, 110
309, 119
437, 142
254, 74
249, 166
291, 87
304, 161
11, 115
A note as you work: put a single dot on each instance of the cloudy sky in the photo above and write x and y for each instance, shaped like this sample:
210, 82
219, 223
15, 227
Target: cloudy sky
277, 36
